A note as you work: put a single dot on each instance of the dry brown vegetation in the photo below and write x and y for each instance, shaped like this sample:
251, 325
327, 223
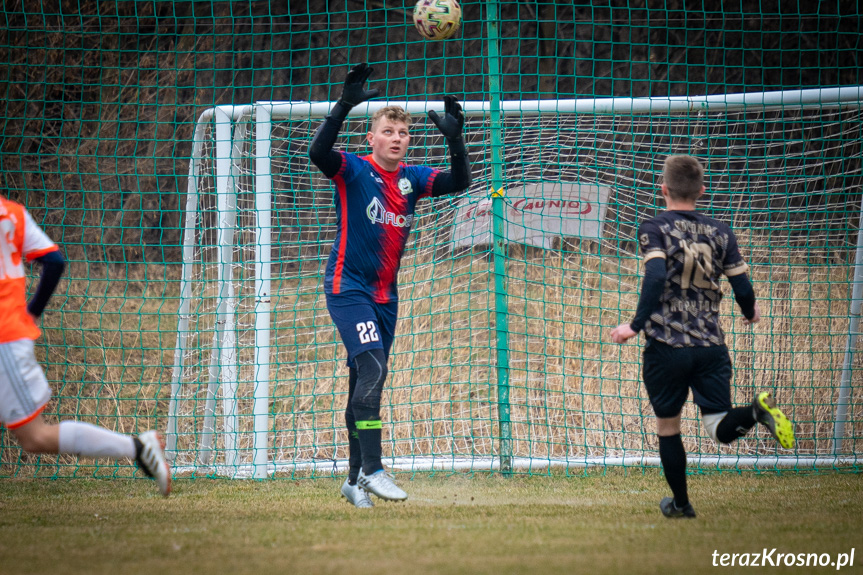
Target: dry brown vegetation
573, 394
99, 105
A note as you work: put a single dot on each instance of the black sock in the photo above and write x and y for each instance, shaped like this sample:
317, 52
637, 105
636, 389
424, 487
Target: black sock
673, 458
369, 433
735, 424
355, 458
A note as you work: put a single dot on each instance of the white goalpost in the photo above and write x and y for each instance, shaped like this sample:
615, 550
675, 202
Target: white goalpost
255, 383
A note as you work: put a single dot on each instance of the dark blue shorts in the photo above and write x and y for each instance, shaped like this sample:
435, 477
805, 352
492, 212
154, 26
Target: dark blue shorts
669, 373
363, 323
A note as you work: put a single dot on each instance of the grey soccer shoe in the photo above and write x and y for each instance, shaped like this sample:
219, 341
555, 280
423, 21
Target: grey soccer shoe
767, 414
356, 495
150, 456
382, 485
672, 511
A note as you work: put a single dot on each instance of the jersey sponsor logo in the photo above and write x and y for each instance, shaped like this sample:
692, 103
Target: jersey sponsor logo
405, 186
378, 214
694, 227
693, 307
375, 177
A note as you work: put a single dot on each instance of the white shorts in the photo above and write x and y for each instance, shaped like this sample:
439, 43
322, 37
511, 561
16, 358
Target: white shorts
24, 391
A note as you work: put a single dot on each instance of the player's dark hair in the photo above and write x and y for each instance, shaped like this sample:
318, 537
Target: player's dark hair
683, 176
391, 113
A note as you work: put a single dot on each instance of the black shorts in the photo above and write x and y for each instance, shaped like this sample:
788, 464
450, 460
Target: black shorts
669, 373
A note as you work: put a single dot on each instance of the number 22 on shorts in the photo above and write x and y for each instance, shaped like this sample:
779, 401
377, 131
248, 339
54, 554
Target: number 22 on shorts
368, 332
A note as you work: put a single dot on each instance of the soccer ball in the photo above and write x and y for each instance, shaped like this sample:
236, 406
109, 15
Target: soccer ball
437, 19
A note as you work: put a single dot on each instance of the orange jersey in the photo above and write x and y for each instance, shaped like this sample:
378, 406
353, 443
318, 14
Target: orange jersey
20, 240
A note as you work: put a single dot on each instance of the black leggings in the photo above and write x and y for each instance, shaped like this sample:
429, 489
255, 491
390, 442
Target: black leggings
365, 386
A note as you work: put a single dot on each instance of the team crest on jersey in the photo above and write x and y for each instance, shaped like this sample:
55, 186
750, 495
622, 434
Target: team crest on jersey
405, 186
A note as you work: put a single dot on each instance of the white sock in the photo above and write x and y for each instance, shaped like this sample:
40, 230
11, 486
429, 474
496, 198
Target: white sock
79, 438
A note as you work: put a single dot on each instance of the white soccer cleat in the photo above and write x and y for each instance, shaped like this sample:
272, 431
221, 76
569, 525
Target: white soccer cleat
381, 484
151, 460
356, 495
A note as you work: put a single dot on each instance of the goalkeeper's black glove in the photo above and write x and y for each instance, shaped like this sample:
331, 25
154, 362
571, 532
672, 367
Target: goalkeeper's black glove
451, 126
453, 119
353, 93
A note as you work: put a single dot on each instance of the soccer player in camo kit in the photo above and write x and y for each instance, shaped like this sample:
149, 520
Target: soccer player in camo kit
375, 201
24, 390
685, 255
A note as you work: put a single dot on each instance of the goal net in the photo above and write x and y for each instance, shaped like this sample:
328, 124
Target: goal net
260, 382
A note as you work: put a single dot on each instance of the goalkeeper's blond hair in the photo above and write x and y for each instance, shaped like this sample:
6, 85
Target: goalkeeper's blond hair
393, 114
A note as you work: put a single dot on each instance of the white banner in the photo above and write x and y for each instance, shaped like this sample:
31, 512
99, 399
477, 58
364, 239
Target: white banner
535, 214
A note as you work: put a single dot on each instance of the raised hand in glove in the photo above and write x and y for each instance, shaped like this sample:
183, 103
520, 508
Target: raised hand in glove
453, 119
353, 93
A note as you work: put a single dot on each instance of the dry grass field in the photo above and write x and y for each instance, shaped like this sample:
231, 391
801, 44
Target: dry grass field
600, 523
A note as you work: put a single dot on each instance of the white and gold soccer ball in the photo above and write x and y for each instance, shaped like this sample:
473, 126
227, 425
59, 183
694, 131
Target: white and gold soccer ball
437, 19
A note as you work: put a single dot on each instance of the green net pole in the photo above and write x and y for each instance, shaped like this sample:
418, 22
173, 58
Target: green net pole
499, 246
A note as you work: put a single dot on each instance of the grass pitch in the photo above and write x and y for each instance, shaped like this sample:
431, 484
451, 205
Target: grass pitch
450, 524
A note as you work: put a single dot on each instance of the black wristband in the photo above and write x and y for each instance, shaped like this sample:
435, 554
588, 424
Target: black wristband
340, 111
457, 147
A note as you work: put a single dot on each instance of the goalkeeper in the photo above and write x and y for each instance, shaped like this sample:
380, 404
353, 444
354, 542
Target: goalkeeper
685, 255
375, 200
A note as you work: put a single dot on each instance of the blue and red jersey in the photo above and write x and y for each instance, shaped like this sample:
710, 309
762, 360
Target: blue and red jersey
374, 213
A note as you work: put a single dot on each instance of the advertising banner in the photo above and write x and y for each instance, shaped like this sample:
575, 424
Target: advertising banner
535, 214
